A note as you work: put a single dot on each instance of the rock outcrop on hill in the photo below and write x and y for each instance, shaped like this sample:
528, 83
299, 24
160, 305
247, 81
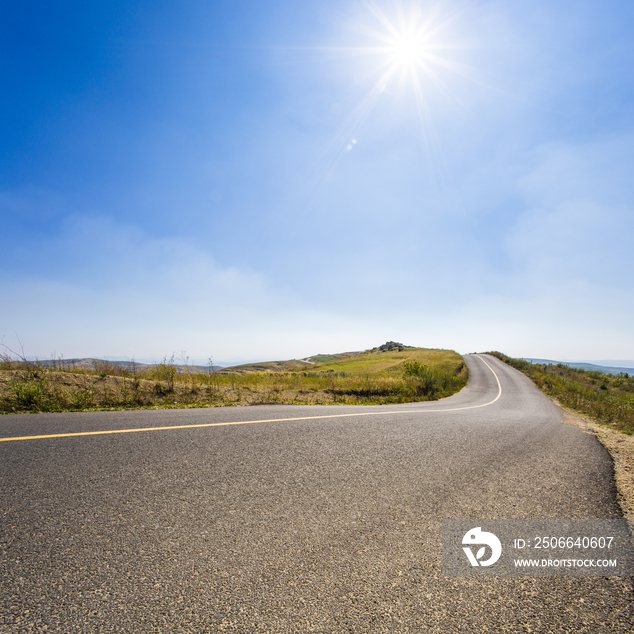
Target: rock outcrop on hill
390, 346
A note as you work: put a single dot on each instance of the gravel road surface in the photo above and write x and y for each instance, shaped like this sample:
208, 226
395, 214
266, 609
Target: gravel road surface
315, 524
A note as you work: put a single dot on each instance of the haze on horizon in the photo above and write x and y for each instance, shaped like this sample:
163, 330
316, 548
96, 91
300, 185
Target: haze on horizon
276, 180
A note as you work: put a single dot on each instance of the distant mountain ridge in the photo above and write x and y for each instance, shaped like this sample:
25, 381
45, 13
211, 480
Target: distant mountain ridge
583, 365
99, 364
93, 363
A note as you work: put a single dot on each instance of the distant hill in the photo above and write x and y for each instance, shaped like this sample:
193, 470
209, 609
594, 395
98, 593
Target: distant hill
315, 360
91, 363
286, 366
322, 358
581, 365
267, 366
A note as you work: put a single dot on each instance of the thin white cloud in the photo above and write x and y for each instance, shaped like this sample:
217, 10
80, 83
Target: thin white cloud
125, 292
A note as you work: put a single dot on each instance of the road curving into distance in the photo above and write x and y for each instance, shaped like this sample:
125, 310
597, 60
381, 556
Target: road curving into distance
295, 518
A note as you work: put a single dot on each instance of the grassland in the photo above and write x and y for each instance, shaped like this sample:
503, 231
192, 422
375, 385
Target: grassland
608, 399
370, 377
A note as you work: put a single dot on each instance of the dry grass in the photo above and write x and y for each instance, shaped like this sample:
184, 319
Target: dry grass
360, 378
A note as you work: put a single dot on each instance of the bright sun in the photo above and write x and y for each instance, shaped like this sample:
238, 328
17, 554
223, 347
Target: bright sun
407, 49
415, 49
410, 48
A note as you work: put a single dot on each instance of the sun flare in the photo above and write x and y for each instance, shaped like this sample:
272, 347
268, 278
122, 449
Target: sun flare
407, 49
406, 54
404, 39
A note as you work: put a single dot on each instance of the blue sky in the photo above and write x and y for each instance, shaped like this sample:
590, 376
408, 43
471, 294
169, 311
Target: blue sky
274, 180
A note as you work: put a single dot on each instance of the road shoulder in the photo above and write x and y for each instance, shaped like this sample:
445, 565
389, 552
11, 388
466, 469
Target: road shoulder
621, 448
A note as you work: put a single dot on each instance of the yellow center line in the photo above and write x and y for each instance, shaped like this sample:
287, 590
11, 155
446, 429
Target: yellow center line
252, 422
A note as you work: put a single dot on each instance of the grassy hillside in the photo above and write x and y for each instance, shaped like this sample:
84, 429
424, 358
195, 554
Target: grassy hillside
371, 377
391, 363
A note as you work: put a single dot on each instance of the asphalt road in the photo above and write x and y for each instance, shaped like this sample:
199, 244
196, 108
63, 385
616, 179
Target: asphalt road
315, 524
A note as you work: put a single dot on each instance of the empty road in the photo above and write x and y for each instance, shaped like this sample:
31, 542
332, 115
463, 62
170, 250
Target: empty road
295, 519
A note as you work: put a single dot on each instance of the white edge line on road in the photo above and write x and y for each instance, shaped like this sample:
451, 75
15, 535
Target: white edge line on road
269, 420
